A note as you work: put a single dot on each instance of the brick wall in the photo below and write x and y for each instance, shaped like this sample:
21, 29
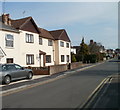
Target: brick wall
57, 68
39, 70
54, 69
75, 65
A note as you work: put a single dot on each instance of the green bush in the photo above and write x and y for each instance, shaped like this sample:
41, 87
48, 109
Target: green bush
73, 59
78, 57
92, 58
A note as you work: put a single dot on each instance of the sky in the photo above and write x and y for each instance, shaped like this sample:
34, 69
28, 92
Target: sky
91, 20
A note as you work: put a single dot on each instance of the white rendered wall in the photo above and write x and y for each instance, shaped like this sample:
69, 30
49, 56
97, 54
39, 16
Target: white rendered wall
11, 52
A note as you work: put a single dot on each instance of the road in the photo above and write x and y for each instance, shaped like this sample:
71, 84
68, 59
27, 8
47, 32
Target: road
67, 92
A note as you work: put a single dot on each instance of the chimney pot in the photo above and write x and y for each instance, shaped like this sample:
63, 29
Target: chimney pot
6, 20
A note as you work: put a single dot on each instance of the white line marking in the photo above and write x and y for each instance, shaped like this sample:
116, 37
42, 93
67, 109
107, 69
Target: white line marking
100, 97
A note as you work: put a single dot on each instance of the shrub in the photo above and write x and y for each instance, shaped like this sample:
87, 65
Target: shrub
93, 58
73, 59
78, 57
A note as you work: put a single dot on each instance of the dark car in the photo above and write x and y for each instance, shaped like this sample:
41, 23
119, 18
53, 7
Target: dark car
10, 72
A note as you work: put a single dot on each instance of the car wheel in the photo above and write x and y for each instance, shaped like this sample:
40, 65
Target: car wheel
30, 75
7, 79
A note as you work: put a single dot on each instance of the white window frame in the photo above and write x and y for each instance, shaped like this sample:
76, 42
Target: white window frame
48, 61
50, 42
29, 38
61, 43
9, 40
67, 58
67, 45
30, 59
63, 60
40, 41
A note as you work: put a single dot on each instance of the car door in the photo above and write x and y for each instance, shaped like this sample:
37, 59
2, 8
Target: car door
21, 73
11, 70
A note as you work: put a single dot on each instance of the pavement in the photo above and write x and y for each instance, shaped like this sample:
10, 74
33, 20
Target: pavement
24, 80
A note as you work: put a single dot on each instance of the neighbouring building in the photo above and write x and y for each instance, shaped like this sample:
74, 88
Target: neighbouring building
73, 50
24, 43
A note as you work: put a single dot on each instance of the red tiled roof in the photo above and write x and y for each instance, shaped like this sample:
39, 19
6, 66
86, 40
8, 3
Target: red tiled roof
25, 24
19, 22
60, 35
46, 34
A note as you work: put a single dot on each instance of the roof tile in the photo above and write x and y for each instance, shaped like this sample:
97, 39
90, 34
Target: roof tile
46, 34
60, 35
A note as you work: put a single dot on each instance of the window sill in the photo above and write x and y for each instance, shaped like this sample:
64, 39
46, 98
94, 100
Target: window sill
9, 47
29, 63
30, 42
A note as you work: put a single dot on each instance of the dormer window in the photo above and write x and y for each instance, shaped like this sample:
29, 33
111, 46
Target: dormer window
29, 38
9, 40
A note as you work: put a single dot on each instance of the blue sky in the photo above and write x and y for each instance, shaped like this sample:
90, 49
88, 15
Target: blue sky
91, 20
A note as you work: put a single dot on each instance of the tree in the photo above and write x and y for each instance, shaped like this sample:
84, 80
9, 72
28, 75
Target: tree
95, 47
73, 59
84, 50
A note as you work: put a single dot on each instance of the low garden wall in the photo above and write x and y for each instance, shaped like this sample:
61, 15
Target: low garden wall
57, 68
75, 65
39, 70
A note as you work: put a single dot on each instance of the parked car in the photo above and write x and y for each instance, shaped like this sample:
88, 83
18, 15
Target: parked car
10, 72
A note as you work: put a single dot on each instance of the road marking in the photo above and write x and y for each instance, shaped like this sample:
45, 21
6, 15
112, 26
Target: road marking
6, 93
98, 100
88, 100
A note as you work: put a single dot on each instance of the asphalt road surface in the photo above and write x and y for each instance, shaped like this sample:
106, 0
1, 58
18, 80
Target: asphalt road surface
68, 92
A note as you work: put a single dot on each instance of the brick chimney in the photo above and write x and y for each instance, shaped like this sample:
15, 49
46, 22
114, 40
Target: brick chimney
6, 20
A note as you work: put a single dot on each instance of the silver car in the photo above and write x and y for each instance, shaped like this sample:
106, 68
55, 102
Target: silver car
10, 72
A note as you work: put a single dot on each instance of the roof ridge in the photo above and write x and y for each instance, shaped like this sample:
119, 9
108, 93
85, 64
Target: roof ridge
22, 18
43, 29
58, 30
61, 33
